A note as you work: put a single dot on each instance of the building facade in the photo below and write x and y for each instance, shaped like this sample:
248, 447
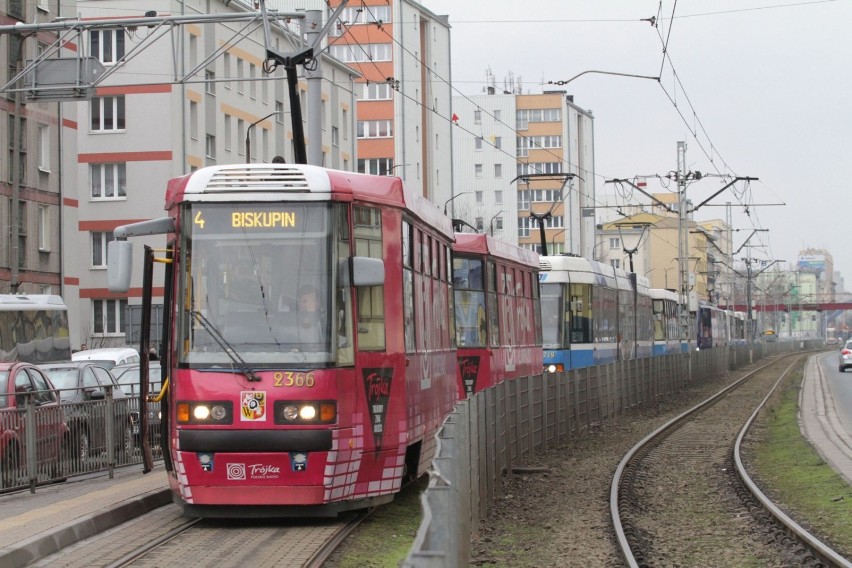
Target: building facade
526, 162
210, 98
401, 51
32, 170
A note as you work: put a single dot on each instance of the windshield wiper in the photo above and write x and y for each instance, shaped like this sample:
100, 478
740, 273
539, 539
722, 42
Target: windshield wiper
226, 347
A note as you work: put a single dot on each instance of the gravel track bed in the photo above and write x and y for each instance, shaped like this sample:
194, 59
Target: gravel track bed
562, 518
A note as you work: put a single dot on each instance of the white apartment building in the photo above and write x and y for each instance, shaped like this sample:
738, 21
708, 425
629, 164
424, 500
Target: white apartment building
155, 119
525, 159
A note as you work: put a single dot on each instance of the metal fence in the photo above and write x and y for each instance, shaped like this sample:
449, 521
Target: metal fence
42, 442
505, 426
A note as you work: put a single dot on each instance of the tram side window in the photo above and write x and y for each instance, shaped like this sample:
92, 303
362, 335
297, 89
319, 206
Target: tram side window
408, 286
493, 306
469, 302
579, 307
371, 299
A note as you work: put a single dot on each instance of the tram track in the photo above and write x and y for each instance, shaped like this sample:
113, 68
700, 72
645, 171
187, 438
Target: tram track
689, 471
164, 537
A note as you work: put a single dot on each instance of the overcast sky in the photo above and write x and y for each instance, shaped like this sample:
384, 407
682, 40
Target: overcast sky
762, 87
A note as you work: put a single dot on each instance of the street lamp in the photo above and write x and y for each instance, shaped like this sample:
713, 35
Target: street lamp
491, 222
453, 197
248, 134
392, 168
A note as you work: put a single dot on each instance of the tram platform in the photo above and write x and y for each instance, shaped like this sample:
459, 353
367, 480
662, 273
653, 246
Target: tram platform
35, 525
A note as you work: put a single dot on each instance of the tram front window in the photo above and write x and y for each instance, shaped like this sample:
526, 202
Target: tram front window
259, 280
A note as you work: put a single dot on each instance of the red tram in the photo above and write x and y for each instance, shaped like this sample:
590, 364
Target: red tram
309, 350
497, 312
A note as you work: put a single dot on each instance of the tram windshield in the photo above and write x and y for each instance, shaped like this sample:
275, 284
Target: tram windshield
259, 285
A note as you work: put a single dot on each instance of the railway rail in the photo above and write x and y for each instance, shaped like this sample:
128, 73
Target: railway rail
164, 537
693, 463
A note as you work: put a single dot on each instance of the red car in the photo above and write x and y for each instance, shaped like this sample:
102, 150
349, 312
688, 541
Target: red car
23, 386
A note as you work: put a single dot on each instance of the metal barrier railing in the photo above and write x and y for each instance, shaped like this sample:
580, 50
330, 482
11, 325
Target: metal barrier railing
43, 442
501, 427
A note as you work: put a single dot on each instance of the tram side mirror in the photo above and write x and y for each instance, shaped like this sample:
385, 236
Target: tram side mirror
362, 271
119, 265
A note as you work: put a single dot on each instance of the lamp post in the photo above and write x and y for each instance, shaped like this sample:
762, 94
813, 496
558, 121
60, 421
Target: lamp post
447, 202
553, 240
391, 169
248, 134
491, 223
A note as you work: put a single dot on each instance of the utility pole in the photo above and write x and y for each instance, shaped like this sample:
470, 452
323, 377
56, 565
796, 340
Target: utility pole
682, 244
313, 73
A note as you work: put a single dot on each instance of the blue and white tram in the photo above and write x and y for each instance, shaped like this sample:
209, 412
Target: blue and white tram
592, 313
712, 326
666, 329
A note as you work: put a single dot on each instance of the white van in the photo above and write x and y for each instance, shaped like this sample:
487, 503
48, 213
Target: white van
108, 357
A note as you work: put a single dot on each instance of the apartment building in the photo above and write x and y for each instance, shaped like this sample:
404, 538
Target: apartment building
526, 161
401, 51
210, 97
31, 250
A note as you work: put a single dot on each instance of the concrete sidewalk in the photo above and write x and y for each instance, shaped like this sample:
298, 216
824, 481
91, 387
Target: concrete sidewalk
819, 422
35, 525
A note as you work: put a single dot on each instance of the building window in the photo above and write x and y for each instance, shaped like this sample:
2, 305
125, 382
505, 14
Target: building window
498, 115
498, 197
498, 142
241, 136
228, 133
498, 170
376, 92
335, 136
477, 170
279, 112
362, 52
240, 76
478, 195
107, 113
44, 148
252, 81
210, 147
615, 262
375, 128
108, 181
614, 243
210, 82
108, 316
479, 223
99, 248
107, 45
477, 143
477, 116
226, 63
376, 167
193, 120
43, 228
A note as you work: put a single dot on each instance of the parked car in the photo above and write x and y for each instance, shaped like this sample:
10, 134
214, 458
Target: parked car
128, 377
846, 356
108, 357
83, 387
18, 383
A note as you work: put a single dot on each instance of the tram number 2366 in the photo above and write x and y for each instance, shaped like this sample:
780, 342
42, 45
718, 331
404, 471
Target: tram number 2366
293, 379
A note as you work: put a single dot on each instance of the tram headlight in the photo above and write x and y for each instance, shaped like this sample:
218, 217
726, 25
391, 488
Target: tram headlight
305, 412
202, 412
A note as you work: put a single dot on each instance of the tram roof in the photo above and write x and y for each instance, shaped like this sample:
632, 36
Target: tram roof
268, 182
477, 243
10, 302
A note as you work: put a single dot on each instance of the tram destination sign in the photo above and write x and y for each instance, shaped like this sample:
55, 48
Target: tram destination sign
227, 219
